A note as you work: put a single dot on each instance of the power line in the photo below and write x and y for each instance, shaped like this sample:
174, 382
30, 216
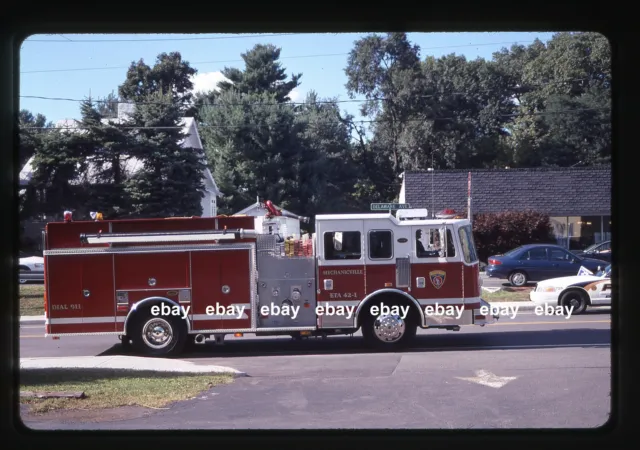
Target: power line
241, 60
120, 102
220, 61
79, 41
247, 126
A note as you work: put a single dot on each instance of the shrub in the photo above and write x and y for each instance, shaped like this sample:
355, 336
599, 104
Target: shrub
500, 232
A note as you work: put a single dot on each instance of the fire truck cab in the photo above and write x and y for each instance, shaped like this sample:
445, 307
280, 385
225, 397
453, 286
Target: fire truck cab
159, 284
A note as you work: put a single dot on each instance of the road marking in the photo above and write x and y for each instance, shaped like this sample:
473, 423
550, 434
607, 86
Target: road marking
32, 326
487, 378
31, 336
549, 323
491, 289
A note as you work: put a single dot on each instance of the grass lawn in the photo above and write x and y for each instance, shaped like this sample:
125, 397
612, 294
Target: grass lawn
31, 299
509, 294
113, 388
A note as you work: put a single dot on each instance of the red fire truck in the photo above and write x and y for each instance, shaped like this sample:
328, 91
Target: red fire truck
159, 284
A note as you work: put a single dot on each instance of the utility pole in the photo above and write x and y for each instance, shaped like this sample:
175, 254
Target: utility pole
432, 169
469, 198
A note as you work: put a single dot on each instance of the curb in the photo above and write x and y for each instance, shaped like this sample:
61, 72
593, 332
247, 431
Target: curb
32, 320
128, 364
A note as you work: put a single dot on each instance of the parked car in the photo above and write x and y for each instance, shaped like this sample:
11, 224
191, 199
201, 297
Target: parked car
537, 262
31, 268
601, 250
579, 291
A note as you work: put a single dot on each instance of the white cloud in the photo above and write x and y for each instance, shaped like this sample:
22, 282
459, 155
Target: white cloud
296, 96
207, 81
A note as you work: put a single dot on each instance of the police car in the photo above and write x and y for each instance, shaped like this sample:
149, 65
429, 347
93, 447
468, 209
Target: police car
580, 291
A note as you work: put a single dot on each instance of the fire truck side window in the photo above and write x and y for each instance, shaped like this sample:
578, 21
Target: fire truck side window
467, 244
342, 245
428, 243
451, 248
380, 244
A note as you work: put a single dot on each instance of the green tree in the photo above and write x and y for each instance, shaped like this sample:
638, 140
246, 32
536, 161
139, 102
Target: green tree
565, 100
105, 143
108, 106
327, 172
263, 73
251, 145
170, 76
30, 134
386, 70
60, 172
170, 180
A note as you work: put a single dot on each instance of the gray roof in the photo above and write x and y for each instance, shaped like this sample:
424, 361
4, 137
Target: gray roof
576, 191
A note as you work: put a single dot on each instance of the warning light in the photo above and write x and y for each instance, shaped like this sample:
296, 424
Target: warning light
238, 334
67, 216
305, 333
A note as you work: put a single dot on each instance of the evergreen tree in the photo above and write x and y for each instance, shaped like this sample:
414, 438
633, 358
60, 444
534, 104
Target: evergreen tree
263, 73
106, 146
170, 181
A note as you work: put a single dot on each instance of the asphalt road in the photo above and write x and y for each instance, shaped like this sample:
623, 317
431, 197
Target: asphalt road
532, 371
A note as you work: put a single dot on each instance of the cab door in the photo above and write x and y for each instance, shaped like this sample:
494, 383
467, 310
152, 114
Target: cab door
341, 253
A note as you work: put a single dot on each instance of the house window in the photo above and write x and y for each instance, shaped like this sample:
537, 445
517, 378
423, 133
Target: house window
213, 207
342, 245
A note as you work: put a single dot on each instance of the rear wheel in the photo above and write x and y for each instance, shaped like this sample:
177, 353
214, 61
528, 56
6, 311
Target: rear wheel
388, 331
159, 335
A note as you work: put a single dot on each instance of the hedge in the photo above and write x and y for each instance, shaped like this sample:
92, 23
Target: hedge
500, 232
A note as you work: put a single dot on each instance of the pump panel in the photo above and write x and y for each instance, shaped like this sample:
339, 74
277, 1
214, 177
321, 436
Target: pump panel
286, 287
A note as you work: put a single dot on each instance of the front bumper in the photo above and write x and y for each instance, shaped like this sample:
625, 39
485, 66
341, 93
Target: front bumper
543, 298
485, 315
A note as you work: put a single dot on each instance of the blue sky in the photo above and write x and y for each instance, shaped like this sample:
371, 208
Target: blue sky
49, 63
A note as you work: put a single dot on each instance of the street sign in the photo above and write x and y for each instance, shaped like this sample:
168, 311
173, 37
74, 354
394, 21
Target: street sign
389, 206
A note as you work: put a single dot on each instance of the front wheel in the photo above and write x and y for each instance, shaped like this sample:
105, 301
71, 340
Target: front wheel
518, 279
159, 335
575, 299
388, 331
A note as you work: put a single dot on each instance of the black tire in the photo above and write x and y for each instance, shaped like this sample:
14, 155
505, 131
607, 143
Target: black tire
373, 325
125, 342
518, 278
574, 298
143, 340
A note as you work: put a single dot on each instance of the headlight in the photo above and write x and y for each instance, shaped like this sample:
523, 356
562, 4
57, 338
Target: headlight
549, 289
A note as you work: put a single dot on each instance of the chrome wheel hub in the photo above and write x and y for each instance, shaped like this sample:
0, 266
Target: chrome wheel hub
157, 333
518, 279
389, 328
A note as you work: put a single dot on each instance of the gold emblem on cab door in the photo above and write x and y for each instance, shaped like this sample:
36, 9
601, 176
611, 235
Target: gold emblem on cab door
437, 278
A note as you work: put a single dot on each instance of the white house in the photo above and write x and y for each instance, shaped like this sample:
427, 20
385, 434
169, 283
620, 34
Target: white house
290, 226
132, 165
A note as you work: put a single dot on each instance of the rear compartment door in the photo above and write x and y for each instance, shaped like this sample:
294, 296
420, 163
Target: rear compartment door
98, 294
81, 297
64, 298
